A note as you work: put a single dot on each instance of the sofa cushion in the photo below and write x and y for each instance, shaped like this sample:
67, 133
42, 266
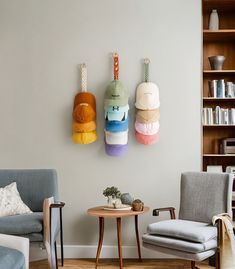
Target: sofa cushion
21, 224
10, 201
11, 258
178, 244
183, 229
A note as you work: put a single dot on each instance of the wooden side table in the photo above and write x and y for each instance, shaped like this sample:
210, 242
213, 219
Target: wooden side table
101, 213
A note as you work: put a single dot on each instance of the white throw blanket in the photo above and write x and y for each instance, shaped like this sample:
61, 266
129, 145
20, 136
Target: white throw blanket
51, 230
227, 244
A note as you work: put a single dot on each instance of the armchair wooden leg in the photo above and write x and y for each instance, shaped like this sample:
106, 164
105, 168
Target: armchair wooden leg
56, 255
193, 265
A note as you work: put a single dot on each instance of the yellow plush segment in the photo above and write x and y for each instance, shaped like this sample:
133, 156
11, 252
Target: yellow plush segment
84, 138
84, 127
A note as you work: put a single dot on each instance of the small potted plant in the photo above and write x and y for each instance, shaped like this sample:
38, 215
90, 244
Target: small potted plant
113, 194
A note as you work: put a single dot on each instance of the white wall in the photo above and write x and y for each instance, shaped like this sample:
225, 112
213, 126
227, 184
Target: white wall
42, 43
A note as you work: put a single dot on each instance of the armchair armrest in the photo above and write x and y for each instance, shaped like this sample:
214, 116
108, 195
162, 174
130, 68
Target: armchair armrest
219, 225
57, 204
156, 211
18, 243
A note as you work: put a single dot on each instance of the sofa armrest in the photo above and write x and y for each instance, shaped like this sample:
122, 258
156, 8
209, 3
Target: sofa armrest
18, 243
156, 211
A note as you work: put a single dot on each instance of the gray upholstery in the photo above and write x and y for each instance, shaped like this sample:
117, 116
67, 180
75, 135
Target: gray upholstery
192, 237
21, 224
34, 185
11, 258
204, 195
200, 256
198, 232
179, 244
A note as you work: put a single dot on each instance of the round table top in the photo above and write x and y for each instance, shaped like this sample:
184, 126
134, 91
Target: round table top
99, 211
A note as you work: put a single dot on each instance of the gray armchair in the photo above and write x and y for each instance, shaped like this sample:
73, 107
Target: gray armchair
34, 186
192, 236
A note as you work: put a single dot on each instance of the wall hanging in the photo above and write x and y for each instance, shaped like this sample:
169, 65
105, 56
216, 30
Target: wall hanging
147, 110
116, 114
84, 113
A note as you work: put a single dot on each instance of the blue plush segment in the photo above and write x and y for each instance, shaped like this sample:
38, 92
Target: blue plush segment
11, 259
22, 224
116, 126
34, 185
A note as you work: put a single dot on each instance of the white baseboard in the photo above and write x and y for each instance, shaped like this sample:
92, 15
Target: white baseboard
88, 252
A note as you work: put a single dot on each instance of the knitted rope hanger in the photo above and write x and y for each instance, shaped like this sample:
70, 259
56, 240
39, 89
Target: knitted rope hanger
115, 66
83, 71
146, 69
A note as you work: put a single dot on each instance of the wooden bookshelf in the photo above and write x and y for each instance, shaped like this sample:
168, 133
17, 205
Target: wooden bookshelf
219, 42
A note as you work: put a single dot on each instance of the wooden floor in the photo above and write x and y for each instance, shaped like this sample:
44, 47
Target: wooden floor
130, 264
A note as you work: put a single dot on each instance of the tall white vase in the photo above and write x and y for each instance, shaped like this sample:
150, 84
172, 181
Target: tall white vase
214, 20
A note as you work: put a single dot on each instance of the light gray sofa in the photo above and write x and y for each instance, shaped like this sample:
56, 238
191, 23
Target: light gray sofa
14, 252
34, 185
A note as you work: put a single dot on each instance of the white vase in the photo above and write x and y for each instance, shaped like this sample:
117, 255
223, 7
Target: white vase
214, 20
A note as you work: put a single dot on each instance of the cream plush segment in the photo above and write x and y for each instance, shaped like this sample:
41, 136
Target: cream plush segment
147, 96
10, 201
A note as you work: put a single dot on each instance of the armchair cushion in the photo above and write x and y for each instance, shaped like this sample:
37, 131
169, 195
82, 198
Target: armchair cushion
178, 244
21, 224
198, 232
11, 258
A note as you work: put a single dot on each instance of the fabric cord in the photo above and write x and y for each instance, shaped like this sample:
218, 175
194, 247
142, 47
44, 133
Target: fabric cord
115, 66
146, 70
83, 77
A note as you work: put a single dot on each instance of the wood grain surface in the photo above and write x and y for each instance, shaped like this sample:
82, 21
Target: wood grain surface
130, 264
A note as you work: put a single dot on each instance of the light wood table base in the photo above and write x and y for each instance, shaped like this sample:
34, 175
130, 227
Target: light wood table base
118, 214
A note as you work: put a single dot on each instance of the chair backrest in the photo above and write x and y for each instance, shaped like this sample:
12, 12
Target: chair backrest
34, 185
204, 195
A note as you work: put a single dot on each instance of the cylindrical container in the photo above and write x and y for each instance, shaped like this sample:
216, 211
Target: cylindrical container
214, 20
216, 62
220, 93
232, 116
212, 87
229, 89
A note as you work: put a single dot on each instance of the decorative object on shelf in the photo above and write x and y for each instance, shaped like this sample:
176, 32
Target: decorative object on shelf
116, 114
230, 169
113, 196
218, 116
214, 20
213, 88
216, 62
227, 146
127, 199
220, 92
214, 168
220, 89
137, 205
84, 113
230, 89
147, 110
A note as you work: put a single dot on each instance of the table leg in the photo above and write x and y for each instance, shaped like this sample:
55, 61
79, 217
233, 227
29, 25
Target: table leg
119, 237
61, 239
101, 235
137, 237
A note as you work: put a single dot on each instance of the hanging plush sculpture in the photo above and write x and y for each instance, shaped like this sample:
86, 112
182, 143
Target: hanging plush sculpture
147, 114
116, 114
84, 113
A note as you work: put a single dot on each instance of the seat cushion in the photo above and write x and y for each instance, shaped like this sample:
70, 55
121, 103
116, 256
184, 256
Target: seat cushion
21, 224
11, 258
183, 229
178, 244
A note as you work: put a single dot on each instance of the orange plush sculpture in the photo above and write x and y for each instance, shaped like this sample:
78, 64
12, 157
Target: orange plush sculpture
84, 113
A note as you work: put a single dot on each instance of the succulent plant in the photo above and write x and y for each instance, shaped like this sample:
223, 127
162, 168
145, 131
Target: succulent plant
112, 191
